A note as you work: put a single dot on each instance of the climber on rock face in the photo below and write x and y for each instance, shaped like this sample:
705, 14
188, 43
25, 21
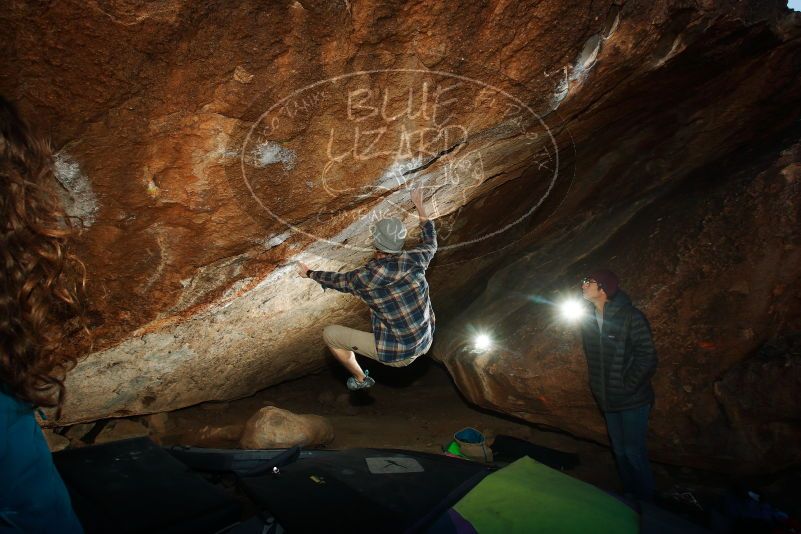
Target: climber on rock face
394, 286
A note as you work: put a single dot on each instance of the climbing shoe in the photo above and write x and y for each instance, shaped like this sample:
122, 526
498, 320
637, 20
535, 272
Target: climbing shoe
355, 385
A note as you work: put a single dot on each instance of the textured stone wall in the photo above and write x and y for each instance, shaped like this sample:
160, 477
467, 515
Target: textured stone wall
208, 145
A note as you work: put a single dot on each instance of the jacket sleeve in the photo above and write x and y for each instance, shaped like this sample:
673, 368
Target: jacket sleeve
349, 282
424, 252
644, 360
5, 428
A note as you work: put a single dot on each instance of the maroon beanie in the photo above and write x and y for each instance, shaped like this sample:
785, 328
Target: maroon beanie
607, 280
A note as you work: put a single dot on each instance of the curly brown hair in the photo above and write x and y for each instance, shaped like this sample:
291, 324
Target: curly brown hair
41, 281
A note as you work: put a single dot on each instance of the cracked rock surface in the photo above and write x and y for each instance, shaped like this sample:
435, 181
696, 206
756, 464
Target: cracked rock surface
206, 146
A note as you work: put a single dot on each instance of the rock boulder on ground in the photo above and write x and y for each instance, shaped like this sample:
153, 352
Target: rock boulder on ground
274, 428
55, 442
75, 433
120, 429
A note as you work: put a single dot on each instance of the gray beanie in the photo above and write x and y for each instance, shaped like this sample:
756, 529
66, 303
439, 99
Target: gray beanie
389, 235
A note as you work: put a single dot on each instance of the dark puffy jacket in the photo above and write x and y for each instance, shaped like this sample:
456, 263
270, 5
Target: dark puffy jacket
621, 359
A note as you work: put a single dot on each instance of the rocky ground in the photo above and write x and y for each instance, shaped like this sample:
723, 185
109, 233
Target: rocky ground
418, 408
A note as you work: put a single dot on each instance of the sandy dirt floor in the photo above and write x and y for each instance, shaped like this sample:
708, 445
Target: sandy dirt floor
419, 408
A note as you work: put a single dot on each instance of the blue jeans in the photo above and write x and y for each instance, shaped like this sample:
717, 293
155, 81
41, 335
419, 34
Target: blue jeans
627, 433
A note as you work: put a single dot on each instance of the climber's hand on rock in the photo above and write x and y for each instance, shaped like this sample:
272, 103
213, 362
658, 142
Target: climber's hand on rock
303, 269
417, 200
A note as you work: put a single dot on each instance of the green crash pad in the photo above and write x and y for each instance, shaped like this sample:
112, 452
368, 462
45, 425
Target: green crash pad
529, 497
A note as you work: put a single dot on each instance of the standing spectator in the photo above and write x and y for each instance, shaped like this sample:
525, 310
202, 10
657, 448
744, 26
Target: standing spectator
39, 289
621, 359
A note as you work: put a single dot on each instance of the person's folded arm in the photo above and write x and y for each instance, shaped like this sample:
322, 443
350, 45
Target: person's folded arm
5, 423
645, 360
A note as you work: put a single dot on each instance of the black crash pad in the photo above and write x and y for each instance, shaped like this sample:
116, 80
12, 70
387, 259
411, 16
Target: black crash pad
364, 490
135, 486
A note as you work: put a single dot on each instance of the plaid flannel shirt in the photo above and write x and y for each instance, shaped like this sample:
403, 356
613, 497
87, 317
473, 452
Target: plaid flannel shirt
396, 290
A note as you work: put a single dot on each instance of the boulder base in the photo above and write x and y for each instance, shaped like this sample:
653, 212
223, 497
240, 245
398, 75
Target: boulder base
274, 428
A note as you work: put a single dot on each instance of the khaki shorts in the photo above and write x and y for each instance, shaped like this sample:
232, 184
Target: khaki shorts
342, 337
